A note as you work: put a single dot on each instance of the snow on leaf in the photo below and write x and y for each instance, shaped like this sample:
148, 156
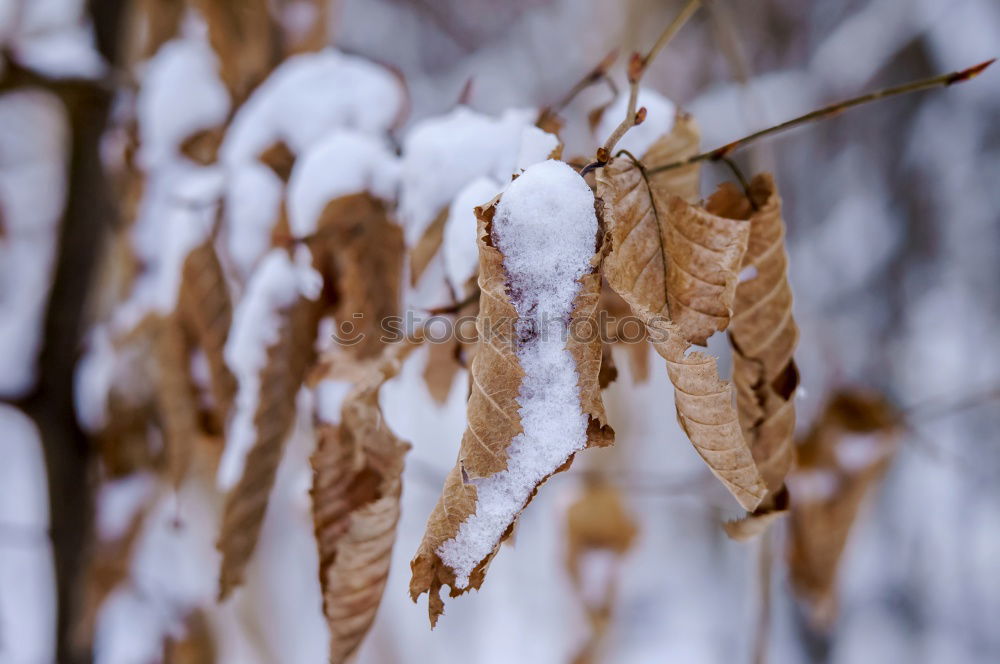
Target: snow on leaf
535, 397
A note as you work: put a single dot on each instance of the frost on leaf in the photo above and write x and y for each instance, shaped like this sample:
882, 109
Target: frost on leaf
763, 335
535, 399
677, 265
840, 460
357, 470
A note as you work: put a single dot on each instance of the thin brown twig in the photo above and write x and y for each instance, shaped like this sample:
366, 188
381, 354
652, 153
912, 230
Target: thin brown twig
596, 75
636, 68
942, 80
764, 563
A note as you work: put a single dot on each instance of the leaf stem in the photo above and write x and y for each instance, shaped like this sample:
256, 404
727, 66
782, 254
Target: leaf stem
942, 80
636, 68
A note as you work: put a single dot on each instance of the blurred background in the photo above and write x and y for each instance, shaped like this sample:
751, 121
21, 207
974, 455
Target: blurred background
894, 244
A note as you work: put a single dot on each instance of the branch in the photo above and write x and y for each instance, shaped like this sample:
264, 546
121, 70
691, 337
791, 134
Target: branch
944, 80
597, 74
636, 68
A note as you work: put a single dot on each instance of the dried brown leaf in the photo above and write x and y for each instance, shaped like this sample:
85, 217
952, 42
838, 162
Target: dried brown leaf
763, 335
493, 419
676, 266
205, 307
359, 252
597, 521
841, 460
242, 35
178, 408
357, 472
195, 646
681, 142
427, 247
288, 360
279, 158
202, 147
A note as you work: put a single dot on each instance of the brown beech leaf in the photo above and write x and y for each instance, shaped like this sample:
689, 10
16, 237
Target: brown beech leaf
176, 402
207, 311
493, 412
682, 141
763, 335
840, 461
202, 147
359, 252
357, 470
132, 405
597, 521
242, 35
195, 645
279, 158
427, 247
676, 265
626, 332
288, 360
155, 23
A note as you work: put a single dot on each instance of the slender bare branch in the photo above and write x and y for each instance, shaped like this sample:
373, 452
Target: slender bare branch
942, 80
636, 68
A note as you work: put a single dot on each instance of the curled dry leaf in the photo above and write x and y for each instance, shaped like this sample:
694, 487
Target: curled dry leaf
597, 522
195, 645
763, 335
202, 147
207, 311
242, 35
359, 252
459, 528
682, 141
427, 247
279, 158
288, 360
175, 397
357, 470
123, 441
840, 460
676, 265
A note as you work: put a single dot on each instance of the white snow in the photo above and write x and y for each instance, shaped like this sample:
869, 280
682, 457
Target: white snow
307, 96
27, 578
660, 115
119, 500
181, 94
536, 145
274, 286
330, 395
461, 256
344, 162
33, 153
176, 215
444, 153
546, 228
251, 207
